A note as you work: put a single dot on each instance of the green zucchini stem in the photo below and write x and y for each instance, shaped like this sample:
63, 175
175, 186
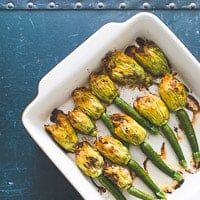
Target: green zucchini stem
169, 134
157, 161
190, 133
140, 172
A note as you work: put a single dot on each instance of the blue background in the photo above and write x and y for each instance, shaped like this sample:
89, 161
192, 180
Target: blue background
32, 43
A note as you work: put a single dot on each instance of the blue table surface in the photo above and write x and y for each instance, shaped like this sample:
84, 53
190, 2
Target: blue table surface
32, 43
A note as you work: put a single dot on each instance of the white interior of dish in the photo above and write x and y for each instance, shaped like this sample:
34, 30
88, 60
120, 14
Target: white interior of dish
56, 87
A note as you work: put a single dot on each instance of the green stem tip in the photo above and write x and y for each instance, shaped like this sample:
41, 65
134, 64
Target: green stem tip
178, 176
183, 163
196, 157
138, 193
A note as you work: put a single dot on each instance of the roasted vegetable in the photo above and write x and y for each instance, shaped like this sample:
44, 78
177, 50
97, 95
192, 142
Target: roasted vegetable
125, 70
154, 109
89, 160
62, 132
104, 88
130, 131
174, 94
123, 179
80, 121
88, 103
149, 56
114, 150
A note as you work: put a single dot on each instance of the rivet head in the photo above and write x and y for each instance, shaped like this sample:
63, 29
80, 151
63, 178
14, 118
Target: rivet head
100, 5
146, 5
52, 5
172, 5
30, 5
192, 6
122, 5
78, 5
10, 5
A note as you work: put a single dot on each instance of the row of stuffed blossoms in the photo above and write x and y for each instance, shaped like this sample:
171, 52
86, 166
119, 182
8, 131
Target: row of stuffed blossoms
137, 66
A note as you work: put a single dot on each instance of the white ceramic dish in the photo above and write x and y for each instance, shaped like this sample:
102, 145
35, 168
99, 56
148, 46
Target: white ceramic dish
56, 87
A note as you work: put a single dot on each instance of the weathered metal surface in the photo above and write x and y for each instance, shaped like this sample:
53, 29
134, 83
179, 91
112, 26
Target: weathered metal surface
99, 4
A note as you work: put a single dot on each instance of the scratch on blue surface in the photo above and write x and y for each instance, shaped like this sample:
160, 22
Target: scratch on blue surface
31, 22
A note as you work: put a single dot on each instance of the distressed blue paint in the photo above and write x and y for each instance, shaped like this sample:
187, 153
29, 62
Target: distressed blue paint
31, 43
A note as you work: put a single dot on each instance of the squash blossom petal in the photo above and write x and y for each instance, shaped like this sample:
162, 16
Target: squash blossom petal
103, 87
125, 70
149, 56
118, 175
128, 129
88, 103
89, 160
113, 149
80, 121
62, 132
152, 108
173, 92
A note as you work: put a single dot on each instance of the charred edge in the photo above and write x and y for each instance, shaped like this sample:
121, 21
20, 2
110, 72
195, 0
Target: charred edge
176, 129
186, 88
174, 73
105, 61
196, 165
80, 145
180, 126
79, 89
100, 188
118, 117
145, 164
130, 51
189, 171
178, 185
54, 115
163, 152
46, 129
194, 103
141, 41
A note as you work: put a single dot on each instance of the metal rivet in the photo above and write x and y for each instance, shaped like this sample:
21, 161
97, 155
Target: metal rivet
192, 6
122, 5
78, 5
100, 5
172, 5
30, 5
146, 5
52, 5
10, 5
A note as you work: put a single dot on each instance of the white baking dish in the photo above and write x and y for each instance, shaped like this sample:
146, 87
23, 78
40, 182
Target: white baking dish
56, 87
